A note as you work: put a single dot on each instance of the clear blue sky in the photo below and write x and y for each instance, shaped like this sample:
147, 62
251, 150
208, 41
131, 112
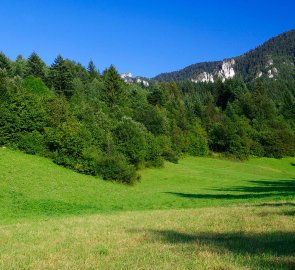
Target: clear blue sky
143, 37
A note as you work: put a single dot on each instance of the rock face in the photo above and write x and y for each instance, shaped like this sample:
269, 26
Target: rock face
269, 63
227, 71
126, 75
204, 77
128, 78
259, 74
143, 82
223, 72
272, 72
273, 53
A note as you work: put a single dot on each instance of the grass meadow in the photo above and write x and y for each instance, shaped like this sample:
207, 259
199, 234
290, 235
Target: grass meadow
203, 213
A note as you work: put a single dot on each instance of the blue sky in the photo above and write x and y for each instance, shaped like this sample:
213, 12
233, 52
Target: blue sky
143, 37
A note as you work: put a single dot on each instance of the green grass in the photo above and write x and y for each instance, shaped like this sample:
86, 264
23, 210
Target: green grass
241, 216
33, 186
231, 238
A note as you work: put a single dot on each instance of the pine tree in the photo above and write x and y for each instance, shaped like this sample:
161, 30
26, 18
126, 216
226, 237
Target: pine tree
114, 90
92, 71
60, 77
5, 63
36, 66
20, 66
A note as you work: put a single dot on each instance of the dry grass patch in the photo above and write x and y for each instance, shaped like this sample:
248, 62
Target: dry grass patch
245, 237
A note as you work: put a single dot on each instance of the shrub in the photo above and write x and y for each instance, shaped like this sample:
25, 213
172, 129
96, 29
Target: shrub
32, 143
130, 138
167, 152
116, 168
154, 152
171, 156
198, 142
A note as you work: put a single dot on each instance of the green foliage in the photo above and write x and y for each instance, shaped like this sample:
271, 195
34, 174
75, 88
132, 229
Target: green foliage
36, 86
5, 63
61, 77
21, 112
92, 71
153, 118
154, 152
198, 141
130, 140
156, 96
113, 91
36, 66
33, 143
20, 67
90, 121
116, 168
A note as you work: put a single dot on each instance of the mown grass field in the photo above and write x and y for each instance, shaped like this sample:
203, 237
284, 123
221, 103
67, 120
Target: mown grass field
202, 213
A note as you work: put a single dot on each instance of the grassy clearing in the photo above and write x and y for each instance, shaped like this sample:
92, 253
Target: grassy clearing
53, 218
33, 187
233, 237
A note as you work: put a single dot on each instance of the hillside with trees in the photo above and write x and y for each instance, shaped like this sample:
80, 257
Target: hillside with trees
97, 124
273, 59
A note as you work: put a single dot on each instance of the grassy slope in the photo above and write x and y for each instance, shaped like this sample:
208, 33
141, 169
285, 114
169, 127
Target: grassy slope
32, 186
37, 197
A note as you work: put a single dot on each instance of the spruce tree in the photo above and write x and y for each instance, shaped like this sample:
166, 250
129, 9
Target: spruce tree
60, 77
36, 67
20, 67
5, 63
113, 91
92, 71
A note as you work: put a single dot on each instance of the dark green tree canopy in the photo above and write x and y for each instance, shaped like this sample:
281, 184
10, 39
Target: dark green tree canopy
36, 66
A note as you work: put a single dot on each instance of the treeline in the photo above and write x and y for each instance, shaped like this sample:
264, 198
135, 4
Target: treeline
97, 124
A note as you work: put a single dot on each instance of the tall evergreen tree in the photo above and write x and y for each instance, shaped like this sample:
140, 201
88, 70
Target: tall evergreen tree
113, 91
36, 67
60, 77
5, 63
92, 71
20, 67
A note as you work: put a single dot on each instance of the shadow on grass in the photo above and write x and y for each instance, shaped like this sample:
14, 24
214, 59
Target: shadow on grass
258, 189
276, 204
258, 186
278, 244
222, 196
289, 213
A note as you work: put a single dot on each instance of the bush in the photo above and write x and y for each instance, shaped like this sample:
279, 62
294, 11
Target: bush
154, 152
171, 156
32, 143
167, 152
130, 138
198, 142
116, 168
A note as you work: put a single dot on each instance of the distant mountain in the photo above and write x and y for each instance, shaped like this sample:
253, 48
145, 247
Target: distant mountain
273, 59
128, 78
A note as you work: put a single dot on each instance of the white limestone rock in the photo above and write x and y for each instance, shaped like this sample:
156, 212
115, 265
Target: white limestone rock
143, 82
126, 75
269, 63
272, 72
259, 74
227, 71
203, 77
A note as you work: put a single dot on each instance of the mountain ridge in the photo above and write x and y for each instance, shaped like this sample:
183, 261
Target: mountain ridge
273, 58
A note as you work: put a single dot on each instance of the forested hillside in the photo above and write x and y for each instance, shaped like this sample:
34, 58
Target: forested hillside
272, 60
97, 124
